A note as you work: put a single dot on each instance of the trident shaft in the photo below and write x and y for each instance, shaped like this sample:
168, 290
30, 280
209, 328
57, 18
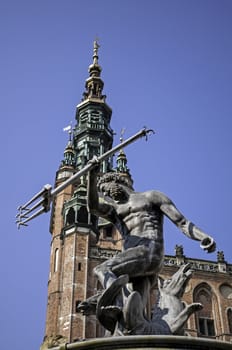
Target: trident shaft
42, 200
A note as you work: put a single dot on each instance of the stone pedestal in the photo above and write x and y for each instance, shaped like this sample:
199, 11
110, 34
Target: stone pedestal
148, 343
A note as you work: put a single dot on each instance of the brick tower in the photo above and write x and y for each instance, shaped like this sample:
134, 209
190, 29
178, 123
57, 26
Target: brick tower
79, 241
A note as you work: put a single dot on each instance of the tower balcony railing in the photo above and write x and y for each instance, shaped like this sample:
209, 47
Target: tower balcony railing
95, 126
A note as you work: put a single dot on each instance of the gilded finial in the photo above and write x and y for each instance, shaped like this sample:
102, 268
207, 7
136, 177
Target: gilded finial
95, 51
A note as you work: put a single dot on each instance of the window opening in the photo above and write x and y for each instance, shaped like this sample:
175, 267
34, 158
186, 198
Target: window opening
229, 317
82, 215
204, 317
70, 218
56, 259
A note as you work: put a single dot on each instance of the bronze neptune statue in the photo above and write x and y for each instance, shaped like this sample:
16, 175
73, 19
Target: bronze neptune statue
128, 276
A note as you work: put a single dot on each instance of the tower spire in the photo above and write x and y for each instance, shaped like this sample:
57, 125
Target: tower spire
94, 84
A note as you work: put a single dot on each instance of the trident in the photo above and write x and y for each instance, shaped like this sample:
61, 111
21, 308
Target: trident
42, 200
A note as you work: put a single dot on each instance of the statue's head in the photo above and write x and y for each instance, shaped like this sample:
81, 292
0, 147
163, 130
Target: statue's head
115, 185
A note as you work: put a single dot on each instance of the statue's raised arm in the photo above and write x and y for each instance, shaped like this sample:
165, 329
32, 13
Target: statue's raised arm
95, 206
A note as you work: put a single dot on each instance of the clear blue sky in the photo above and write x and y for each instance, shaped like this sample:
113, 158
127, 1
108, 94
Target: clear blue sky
167, 64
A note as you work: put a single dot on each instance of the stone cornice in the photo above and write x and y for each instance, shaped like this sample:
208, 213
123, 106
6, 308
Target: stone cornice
170, 260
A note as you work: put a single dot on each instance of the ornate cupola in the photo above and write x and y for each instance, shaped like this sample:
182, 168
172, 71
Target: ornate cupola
94, 84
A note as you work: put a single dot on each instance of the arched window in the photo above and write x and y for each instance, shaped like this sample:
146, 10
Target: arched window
82, 215
229, 317
70, 218
56, 259
205, 319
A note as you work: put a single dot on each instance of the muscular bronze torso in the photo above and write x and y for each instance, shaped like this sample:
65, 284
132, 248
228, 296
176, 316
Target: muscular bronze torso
142, 221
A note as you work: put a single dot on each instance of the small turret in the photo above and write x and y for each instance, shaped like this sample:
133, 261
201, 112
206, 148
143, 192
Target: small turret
121, 163
69, 152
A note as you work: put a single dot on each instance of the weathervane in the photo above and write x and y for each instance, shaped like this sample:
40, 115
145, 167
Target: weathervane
69, 129
41, 201
121, 134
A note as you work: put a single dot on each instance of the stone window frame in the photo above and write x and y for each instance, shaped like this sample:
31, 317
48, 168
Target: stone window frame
206, 322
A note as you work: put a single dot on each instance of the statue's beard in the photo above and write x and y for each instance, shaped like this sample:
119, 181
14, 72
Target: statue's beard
117, 193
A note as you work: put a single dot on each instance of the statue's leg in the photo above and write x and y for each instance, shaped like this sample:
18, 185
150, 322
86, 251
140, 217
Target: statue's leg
143, 286
109, 307
133, 312
137, 261
140, 264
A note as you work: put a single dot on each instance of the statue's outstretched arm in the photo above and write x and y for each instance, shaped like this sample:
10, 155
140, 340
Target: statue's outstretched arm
187, 227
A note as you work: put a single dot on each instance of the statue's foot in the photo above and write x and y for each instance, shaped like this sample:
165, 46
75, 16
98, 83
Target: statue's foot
133, 315
107, 313
88, 306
